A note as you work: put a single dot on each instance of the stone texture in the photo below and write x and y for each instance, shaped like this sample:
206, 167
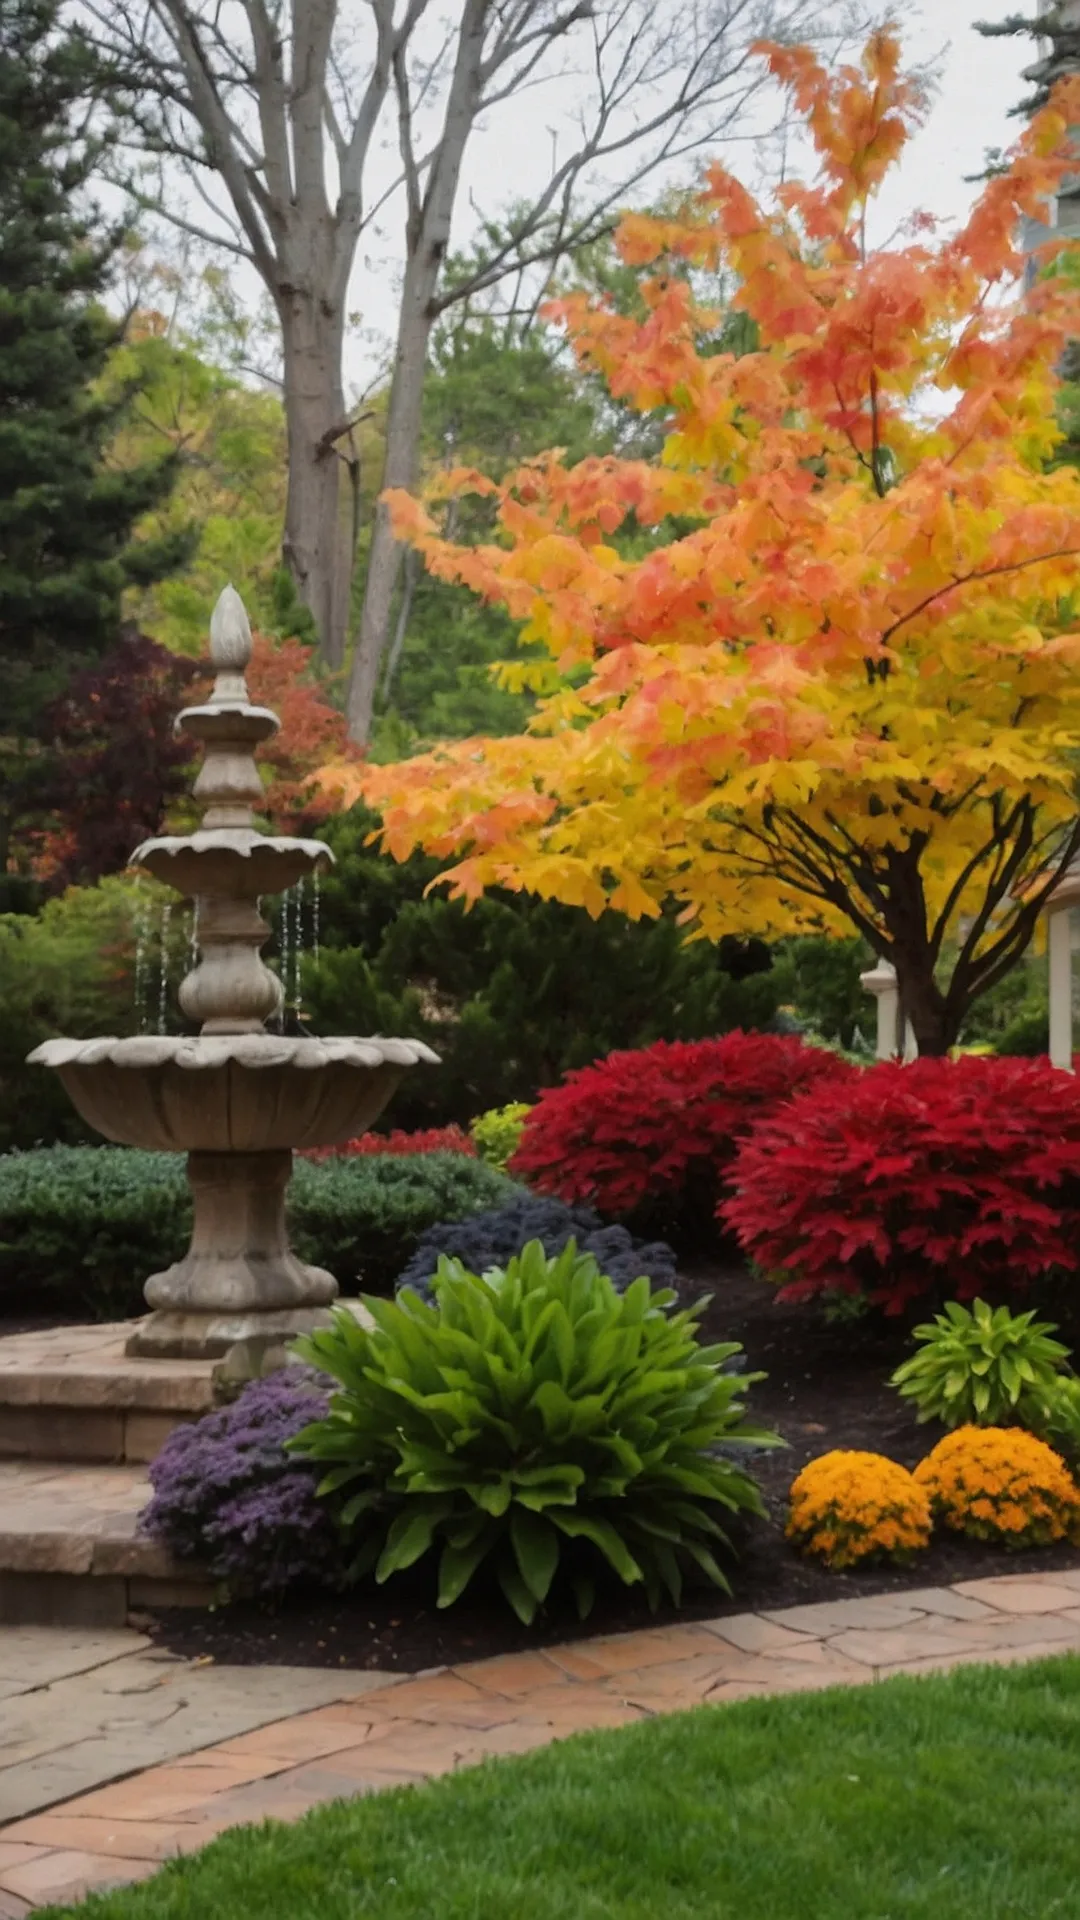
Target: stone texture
88, 1367
61, 1433
1022, 1592
65, 1876
34, 1656
82, 1719
369, 1733
68, 1521
69, 1550
62, 1601
146, 1433
833, 1616
955, 1603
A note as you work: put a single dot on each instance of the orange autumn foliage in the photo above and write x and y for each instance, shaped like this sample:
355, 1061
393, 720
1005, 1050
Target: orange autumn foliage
817, 668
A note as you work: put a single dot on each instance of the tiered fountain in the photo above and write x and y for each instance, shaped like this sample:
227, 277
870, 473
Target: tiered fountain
235, 1098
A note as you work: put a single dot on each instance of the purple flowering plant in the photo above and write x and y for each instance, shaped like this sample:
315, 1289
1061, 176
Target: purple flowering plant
227, 1493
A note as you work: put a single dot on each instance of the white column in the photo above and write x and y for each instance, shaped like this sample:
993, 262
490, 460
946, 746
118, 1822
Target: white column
881, 982
1059, 947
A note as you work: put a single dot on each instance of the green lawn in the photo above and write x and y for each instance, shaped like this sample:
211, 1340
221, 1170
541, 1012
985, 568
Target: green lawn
955, 1797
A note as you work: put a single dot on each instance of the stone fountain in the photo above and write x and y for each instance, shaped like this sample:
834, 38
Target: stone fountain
233, 1097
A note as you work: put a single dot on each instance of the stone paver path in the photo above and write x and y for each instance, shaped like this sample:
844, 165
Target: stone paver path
80, 1708
412, 1729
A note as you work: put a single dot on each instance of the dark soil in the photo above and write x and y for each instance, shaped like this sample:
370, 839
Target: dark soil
826, 1387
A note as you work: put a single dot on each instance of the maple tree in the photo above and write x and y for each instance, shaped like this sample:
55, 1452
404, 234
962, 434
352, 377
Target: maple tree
312, 732
816, 668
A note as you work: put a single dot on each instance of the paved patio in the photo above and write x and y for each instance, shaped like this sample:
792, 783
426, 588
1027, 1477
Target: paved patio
364, 1732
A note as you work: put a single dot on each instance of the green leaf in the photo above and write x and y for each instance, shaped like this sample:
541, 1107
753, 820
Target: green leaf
410, 1536
584, 1594
536, 1549
523, 1602
360, 1503
457, 1565
581, 1526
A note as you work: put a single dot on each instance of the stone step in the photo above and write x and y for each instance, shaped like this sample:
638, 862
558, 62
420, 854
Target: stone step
72, 1393
69, 1551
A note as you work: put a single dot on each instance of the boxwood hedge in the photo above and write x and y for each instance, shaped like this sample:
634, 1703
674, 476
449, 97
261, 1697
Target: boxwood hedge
82, 1227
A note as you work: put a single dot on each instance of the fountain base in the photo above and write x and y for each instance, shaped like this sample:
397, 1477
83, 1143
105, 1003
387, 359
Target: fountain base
239, 1283
248, 1343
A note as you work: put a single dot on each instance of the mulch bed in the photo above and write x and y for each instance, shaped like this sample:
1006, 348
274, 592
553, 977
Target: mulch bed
826, 1387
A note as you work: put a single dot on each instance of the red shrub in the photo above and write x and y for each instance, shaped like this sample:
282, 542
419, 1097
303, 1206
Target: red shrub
652, 1132
945, 1178
431, 1140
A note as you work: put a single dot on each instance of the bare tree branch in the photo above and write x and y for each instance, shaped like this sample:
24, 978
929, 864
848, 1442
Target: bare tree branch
269, 111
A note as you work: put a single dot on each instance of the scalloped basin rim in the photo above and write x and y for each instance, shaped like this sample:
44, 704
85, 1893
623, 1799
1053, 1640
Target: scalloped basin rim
255, 1050
241, 841
227, 709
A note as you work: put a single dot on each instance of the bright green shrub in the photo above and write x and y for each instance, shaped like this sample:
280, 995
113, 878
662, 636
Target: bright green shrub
528, 1412
68, 969
496, 1133
82, 1227
1062, 1424
983, 1367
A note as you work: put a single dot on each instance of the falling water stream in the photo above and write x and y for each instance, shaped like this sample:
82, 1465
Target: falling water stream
163, 966
284, 933
142, 931
298, 942
293, 911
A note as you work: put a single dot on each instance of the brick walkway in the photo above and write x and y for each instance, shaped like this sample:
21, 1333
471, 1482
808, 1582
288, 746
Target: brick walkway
417, 1728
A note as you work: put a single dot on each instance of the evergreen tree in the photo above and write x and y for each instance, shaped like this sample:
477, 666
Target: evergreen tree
1058, 31
67, 509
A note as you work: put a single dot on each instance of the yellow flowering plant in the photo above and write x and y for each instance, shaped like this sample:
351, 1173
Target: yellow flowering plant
1001, 1484
847, 1507
495, 1134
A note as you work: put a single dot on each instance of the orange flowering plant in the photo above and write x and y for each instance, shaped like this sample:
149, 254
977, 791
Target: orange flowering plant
816, 668
1001, 1484
849, 1506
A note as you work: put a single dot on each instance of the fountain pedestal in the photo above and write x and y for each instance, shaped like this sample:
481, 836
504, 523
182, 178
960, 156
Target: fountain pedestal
239, 1277
236, 1099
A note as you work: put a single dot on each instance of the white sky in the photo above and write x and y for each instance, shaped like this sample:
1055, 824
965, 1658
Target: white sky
980, 81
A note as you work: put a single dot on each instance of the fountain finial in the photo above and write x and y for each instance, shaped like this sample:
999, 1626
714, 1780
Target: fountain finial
230, 648
230, 631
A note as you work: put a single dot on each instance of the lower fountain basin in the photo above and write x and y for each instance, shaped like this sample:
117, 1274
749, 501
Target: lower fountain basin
230, 1093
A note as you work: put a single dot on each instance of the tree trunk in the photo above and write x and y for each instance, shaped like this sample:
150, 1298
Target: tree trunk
428, 235
922, 1002
314, 546
402, 460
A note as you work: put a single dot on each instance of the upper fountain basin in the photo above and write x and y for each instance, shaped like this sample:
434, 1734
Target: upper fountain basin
236, 862
230, 1093
231, 722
